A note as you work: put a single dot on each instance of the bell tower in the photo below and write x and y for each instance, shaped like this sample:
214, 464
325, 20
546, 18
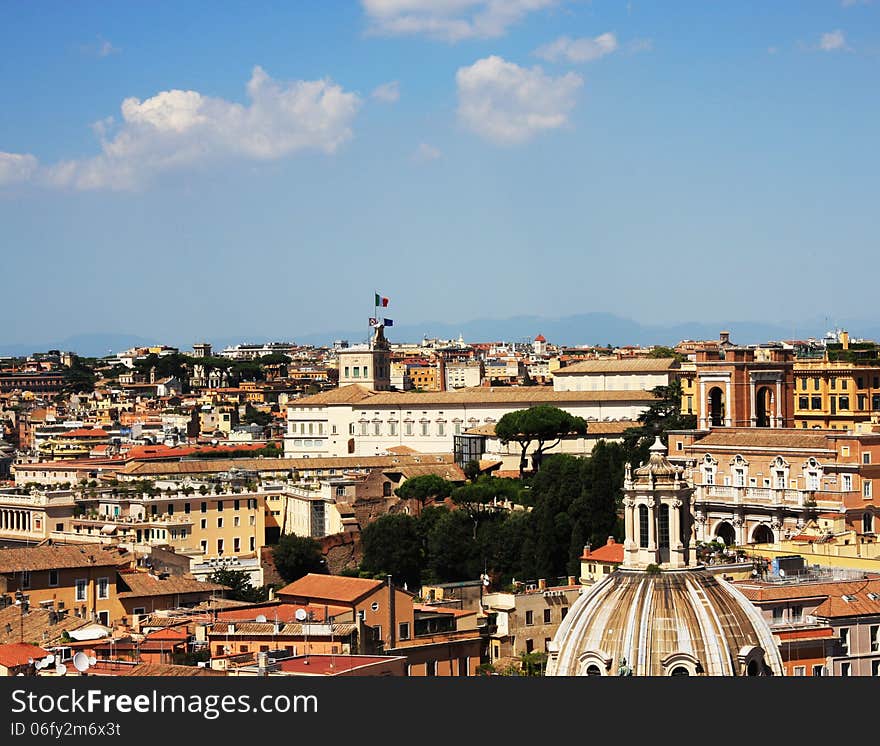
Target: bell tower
657, 514
367, 365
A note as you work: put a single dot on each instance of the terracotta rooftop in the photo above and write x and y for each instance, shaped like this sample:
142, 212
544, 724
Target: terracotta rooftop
59, 556
858, 589
343, 395
145, 584
83, 432
627, 365
326, 587
330, 665
283, 612
19, 653
36, 625
526, 395
756, 437
594, 427
611, 551
206, 466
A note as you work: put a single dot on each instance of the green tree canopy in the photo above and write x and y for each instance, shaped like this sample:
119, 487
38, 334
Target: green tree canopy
295, 556
239, 584
393, 546
423, 487
541, 424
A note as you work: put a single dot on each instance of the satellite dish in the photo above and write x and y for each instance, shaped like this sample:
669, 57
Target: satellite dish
61, 669
38, 665
781, 573
301, 615
92, 660
261, 618
49, 659
81, 662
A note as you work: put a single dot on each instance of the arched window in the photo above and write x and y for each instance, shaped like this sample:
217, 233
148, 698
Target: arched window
643, 526
680, 671
593, 670
663, 528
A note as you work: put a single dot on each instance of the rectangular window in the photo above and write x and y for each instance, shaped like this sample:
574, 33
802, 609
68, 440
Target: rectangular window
219, 523
875, 668
530, 617
875, 402
203, 507
804, 384
392, 428
844, 640
866, 488
220, 505
800, 670
236, 521
833, 384
408, 428
236, 504
815, 384
863, 402
363, 428
844, 383
236, 545
103, 587
464, 666
843, 403
846, 482
546, 616
80, 585
441, 428
875, 638
797, 613
777, 614
357, 371
187, 508
430, 668
815, 402
204, 545
25, 578
866, 458
846, 668
203, 524
562, 612
219, 546
860, 382
818, 670
403, 631
377, 428
346, 371
252, 543
803, 402
53, 578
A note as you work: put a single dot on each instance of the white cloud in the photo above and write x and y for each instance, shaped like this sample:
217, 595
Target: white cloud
180, 128
425, 153
105, 48
833, 41
508, 104
585, 49
387, 92
448, 20
15, 167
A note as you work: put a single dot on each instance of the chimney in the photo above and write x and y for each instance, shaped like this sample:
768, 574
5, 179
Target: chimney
844, 339
571, 580
262, 663
542, 584
610, 540
441, 371
587, 548
725, 337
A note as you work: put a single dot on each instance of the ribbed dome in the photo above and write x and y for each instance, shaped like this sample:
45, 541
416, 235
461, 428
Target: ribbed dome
672, 622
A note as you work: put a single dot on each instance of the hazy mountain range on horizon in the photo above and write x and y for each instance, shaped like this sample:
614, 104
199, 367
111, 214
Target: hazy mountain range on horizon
594, 328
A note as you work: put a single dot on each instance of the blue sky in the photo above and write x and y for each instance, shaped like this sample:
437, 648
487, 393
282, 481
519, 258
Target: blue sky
194, 170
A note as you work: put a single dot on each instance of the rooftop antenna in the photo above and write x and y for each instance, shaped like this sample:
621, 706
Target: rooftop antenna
301, 616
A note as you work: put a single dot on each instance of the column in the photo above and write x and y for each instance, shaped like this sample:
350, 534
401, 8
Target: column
703, 413
753, 414
652, 530
728, 404
779, 416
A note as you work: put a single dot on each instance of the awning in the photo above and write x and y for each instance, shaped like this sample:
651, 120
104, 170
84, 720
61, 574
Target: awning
108, 528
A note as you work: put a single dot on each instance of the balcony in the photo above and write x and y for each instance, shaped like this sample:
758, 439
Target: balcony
770, 496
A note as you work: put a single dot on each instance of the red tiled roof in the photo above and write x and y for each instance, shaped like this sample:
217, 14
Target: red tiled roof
283, 612
611, 551
83, 433
18, 654
327, 665
336, 587
444, 610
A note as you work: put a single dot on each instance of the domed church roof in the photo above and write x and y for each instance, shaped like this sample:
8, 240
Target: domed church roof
670, 623
659, 614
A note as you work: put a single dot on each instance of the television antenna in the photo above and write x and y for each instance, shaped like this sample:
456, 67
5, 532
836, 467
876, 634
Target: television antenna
301, 616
